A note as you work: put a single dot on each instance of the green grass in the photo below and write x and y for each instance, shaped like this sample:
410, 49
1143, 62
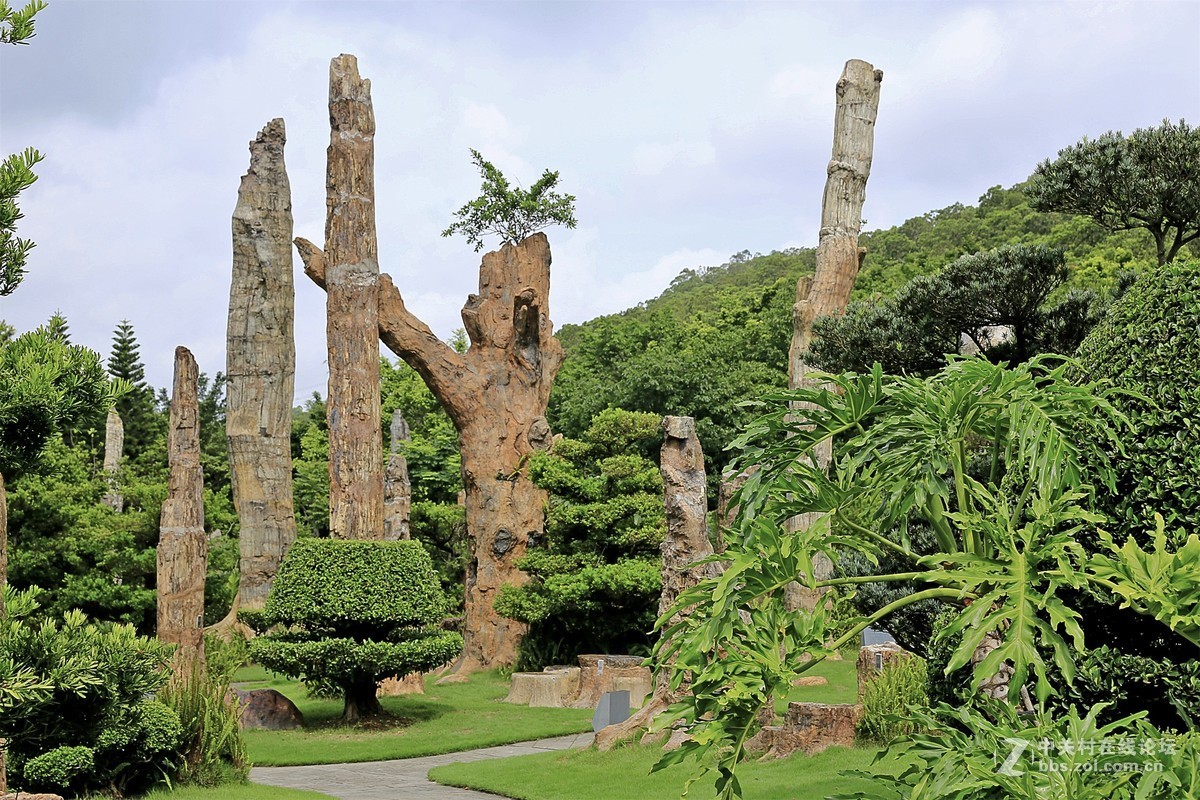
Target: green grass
234, 791
842, 687
624, 773
446, 719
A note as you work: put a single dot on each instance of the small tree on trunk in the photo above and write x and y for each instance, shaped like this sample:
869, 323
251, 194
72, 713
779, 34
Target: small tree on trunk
496, 393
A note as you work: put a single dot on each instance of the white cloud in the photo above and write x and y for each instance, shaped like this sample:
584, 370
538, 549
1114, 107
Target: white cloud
656, 158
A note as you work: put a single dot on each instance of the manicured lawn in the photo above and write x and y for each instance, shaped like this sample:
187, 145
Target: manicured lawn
237, 791
624, 773
446, 719
842, 687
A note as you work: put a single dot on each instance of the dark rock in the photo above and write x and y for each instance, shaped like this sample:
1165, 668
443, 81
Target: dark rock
267, 709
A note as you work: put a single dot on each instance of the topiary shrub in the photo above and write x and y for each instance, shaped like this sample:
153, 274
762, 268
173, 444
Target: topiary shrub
351, 613
1149, 343
84, 720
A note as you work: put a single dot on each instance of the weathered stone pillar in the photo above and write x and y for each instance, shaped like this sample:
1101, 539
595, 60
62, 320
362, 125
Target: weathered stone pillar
114, 445
496, 393
397, 489
352, 307
261, 367
182, 545
686, 503
839, 257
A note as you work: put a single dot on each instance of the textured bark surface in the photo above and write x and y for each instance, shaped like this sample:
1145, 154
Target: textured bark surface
261, 367
182, 545
686, 503
996, 686
839, 257
114, 446
397, 489
352, 307
496, 395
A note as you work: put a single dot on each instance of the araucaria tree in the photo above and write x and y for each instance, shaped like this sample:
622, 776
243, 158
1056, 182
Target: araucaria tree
1149, 179
352, 613
495, 393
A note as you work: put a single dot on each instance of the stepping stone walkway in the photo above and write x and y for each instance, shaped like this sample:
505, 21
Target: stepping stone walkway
402, 779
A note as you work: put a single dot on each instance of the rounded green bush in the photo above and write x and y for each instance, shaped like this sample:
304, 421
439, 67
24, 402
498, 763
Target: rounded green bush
328, 584
351, 613
59, 768
1149, 344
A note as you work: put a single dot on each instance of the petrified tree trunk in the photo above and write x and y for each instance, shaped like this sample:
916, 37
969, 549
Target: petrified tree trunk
261, 367
495, 393
352, 307
182, 545
114, 444
839, 257
397, 489
682, 467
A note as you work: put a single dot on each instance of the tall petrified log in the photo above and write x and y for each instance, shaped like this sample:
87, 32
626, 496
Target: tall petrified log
397, 489
182, 545
496, 395
352, 309
839, 257
684, 496
261, 366
114, 445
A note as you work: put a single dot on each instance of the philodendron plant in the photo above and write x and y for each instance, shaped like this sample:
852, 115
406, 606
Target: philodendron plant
991, 458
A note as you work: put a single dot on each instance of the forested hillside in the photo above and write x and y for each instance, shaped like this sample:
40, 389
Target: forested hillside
719, 335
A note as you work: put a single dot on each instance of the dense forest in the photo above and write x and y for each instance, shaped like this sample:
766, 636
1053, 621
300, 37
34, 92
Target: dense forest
715, 339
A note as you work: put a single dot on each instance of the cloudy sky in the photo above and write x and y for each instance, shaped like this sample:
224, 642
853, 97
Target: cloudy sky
688, 131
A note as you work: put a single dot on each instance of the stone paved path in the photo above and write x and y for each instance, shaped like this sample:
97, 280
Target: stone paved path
402, 779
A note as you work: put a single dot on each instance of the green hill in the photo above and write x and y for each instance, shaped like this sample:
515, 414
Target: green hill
719, 336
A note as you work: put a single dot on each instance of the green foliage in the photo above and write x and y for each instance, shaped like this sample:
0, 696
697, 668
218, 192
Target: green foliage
64, 538
213, 751
61, 768
139, 415
352, 613
16, 175
1163, 583
511, 213
968, 753
310, 482
1166, 692
595, 575
1010, 287
53, 386
889, 699
1147, 345
91, 691
17, 25
1149, 179
1004, 543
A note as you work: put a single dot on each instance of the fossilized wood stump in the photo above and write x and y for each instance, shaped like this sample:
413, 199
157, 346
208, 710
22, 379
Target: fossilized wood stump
808, 728
397, 488
685, 500
182, 545
114, 445
261, 367
495, 393
352, 308
872, 658
839, 257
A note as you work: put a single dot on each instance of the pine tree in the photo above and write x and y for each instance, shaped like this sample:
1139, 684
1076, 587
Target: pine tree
137, 407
